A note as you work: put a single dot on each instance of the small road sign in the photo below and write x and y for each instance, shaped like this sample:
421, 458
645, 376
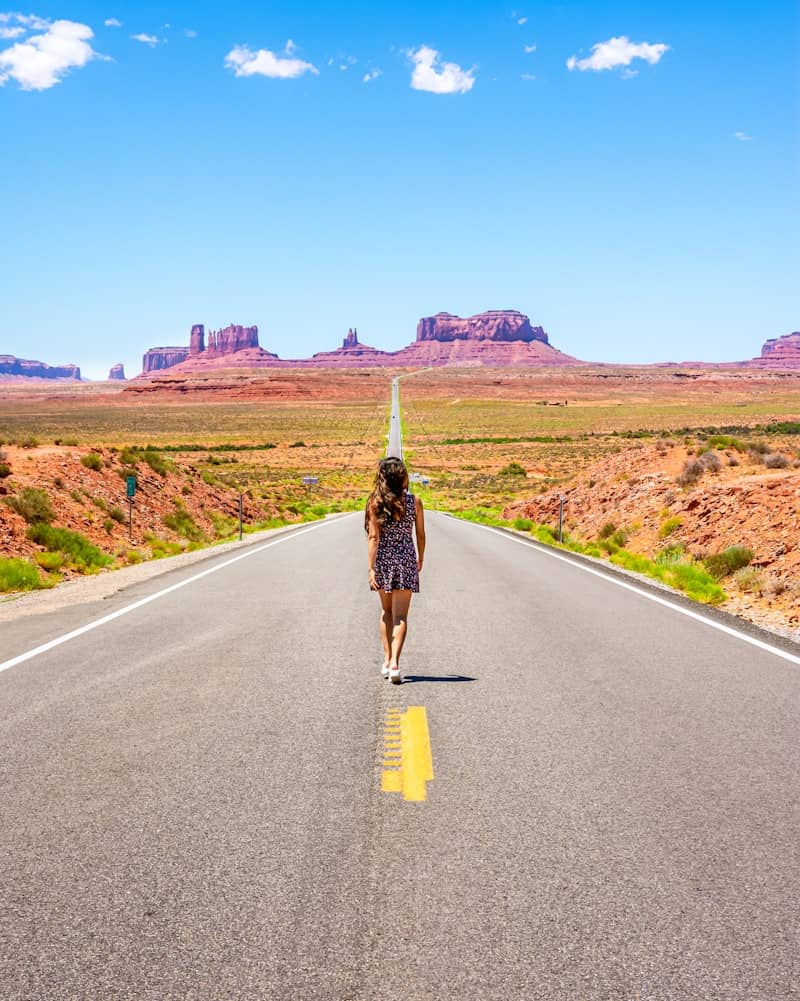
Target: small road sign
310, 481
130, 486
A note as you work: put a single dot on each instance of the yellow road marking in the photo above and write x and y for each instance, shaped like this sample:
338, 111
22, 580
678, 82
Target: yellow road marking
412, 752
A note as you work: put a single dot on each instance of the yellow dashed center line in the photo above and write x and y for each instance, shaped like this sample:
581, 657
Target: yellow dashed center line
407, 759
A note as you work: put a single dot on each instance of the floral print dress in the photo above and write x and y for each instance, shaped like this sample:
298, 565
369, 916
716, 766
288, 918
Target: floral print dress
396, 561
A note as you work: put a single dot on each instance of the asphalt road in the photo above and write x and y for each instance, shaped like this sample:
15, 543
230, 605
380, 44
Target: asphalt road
191, 801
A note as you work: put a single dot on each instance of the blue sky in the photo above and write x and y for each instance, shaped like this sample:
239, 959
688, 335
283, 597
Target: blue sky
630, 183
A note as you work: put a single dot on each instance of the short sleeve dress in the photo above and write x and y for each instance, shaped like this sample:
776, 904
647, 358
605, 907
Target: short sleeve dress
396, 560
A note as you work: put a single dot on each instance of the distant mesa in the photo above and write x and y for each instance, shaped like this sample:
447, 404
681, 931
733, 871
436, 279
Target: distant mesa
501, 325
12, 368
232, 340
352, 354
117, 372
780, 352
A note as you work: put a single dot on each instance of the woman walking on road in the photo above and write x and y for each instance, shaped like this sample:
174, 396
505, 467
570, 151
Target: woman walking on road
392, 516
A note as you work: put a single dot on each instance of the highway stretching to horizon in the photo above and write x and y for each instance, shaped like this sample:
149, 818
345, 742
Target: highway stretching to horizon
584, 790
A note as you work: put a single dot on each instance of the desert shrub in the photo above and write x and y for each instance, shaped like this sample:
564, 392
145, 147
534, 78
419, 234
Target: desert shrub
759, 446
77, 496
183, 524
618, 538
133, 556
723, 441
711, 462
50, 561
129, 456
608, 529
92, 461
65, 441
58, 482
695, 582
208, 478
776, 460
118, 515
728, 561
223, 524
773, 585
19, 575
76, 548
108, 525
125, 471
5, 470
28, 441
298, 444
748, 579
513, 469
671, 554
160, 548
669, 526
99, 502
523, 524
545, 534
754, 457
186, 489
157, 462
33, 504
732, 460
692, 470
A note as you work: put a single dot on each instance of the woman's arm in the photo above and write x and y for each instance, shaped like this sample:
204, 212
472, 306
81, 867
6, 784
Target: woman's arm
374, 531
419, 525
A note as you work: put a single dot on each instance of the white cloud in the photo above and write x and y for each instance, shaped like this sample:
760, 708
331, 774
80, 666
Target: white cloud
190, 33
436, 77
32, 21
245, 62
12, 32
522, 20
527, 76
112, 22
629, 74
151, 40
372, 75
41, 61
620, 51
743, 137
530, 49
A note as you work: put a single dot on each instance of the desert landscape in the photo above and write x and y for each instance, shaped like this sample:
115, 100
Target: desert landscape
688, 474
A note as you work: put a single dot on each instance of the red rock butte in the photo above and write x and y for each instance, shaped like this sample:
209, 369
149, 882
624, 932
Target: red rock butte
11, 367
497, 337
780, 352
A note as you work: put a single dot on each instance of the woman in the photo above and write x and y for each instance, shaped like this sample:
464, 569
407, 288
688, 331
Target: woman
394, 565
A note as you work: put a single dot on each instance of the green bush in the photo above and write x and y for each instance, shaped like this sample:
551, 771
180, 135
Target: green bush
513, 469
28, 441
19, 575
183, 524
223, 524
671, 554
5, 470
523, 524
50, 561
76, 548
157, 462
669, 526
728, 561
298, 444
134, 556
129, 457
33, 504
118, 515
608, 529
92, 461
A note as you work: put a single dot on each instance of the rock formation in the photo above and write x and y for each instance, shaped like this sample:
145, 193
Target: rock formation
11, 367
352, 354
502, 325
117, 372
156, 359
231, 340
781, 352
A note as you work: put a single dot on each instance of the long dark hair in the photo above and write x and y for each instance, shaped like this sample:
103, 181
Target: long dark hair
387, 498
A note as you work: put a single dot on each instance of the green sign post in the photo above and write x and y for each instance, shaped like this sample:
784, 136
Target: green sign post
130, 492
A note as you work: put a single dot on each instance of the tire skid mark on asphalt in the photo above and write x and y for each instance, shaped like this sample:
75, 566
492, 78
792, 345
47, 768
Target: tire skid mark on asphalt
407, 758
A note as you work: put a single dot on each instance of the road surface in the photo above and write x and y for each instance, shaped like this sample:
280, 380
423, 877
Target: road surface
192, 805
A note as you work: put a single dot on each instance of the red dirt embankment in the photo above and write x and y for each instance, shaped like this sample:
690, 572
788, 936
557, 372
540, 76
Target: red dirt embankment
83, 499
741, 504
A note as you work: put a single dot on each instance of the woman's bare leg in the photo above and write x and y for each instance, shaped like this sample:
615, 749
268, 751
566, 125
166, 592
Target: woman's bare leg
387, 625
400, 602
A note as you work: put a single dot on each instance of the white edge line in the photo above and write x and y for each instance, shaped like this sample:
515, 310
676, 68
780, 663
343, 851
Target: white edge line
612, 579
96, 623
